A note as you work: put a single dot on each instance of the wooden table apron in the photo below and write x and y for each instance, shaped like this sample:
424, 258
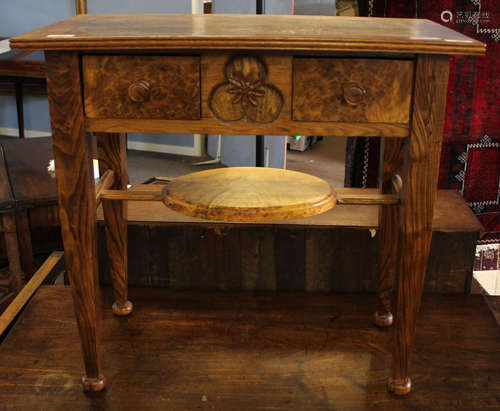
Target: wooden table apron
369, 83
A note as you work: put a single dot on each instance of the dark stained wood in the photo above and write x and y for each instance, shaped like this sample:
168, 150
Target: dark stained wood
25, 245
112, 155
392, 159
246, 93
23, 296
27, 161
147, 87
248, 351
75, 184
16, 274
336, 259
417, 204
248, 32
324, 89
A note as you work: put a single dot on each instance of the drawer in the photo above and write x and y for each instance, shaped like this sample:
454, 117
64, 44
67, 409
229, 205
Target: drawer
352, 90
142, 87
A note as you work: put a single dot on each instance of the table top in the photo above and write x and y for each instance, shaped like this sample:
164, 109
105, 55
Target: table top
248, 32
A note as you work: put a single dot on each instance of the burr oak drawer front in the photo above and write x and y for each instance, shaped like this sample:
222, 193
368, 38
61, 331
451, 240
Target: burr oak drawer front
142, 87
352, 90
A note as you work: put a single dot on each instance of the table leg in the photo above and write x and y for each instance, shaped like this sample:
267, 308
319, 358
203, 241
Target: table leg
20, 107
16, 274
112, 154
77, 204
421, 168
25, 245
392, 149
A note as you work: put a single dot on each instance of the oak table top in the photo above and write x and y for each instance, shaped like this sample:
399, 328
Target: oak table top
248, 32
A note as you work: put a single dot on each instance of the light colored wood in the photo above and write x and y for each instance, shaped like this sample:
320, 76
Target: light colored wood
350, 89
104, 183
115, 87
280, 127
360, 216
368, 199
133, 195
248, 32
249, 194
28, 290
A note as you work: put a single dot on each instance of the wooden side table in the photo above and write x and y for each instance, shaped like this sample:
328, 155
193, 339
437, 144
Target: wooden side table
235, 74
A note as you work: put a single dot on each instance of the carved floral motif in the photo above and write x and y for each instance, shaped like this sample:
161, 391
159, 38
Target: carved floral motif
245, 93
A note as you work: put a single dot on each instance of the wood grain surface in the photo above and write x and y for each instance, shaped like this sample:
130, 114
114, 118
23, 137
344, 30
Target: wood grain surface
174, 92
24, 294
112, 155
363, 216
321, 85
249, 194
77, 205
388, 252
417, 205
246, 92
248, 32
282, 126
16, 273
247, 351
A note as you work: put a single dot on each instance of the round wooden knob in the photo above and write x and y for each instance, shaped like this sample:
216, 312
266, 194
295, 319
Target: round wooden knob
139, 91
354, 94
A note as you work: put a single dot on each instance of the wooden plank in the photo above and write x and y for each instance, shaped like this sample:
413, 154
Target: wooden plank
247, 351
16, 274
289, 251
247, 32
417, 206
76, 191
280, 127
28, 290
363, 216
25, 244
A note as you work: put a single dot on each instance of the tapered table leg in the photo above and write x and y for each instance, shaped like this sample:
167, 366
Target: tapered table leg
77, 204
16, 273
388, 232
418, 195
112, 153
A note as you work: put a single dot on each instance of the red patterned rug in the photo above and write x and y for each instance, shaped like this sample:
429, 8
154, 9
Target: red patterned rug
470, 160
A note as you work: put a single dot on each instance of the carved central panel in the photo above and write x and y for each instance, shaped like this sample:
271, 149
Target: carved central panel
245, 93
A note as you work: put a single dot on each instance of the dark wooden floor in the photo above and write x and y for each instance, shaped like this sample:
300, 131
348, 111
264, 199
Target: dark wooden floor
238, 351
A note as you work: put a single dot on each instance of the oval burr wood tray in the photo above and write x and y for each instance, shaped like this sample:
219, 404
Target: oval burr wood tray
249, 194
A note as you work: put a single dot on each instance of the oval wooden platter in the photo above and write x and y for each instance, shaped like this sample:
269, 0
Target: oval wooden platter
249, 194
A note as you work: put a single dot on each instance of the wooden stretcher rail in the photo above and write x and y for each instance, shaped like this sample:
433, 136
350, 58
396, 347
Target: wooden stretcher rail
29, 289
139, 192
107, 180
